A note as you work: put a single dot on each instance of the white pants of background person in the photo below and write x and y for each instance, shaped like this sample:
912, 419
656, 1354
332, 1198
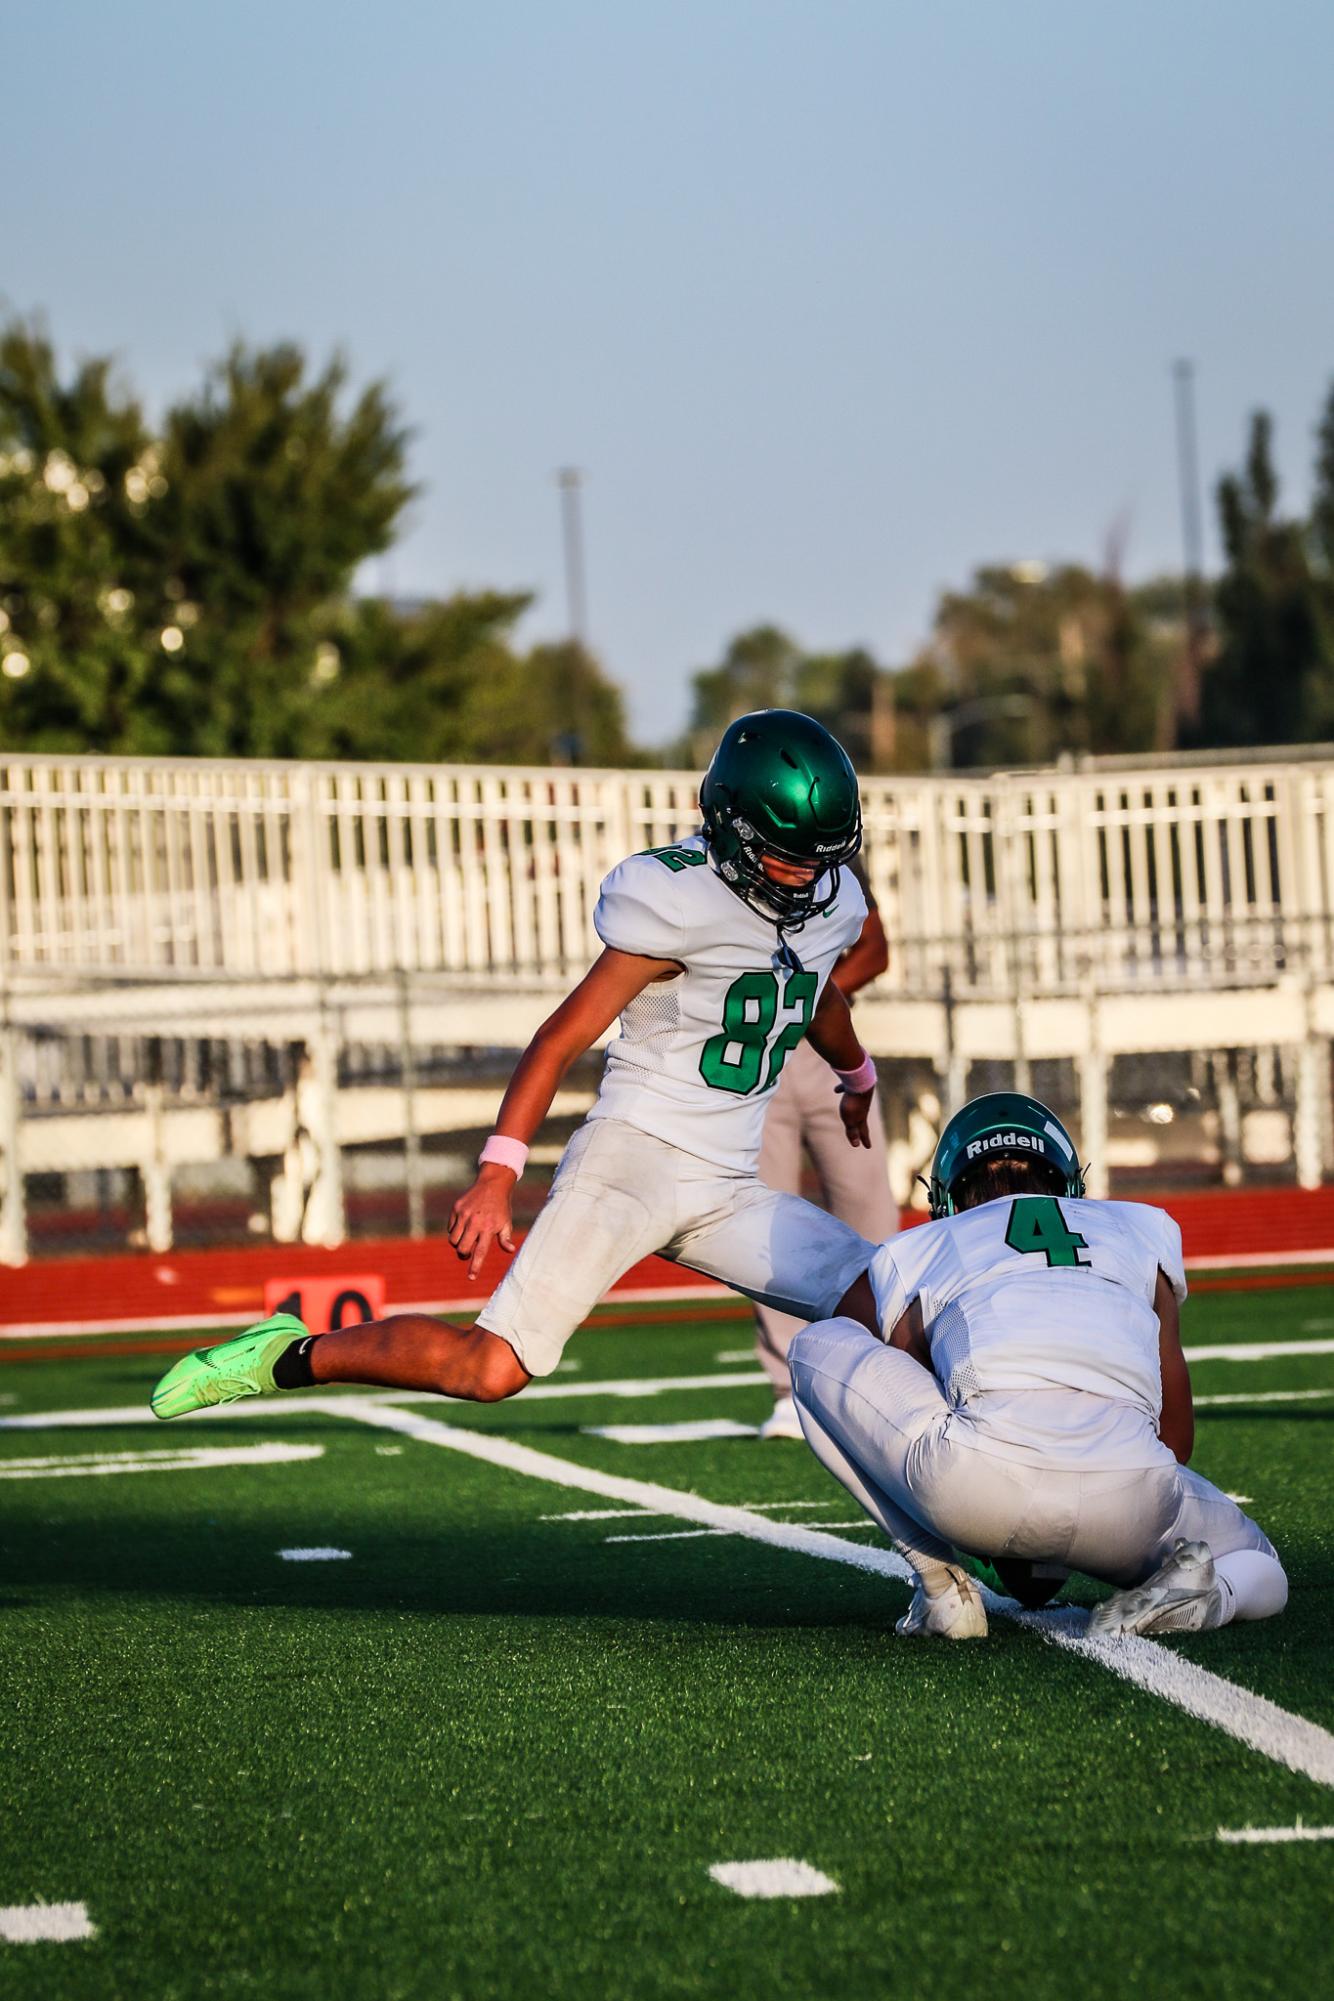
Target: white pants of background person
1059, 1475
854, 1186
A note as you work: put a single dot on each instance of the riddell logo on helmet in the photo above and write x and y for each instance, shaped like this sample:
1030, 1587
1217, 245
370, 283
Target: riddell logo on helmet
1009, 1142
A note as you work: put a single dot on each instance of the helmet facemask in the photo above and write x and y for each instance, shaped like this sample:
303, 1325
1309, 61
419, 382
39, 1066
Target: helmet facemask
739, 851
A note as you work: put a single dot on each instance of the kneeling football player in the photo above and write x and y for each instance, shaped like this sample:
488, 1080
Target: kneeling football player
717, 958
1019, 1392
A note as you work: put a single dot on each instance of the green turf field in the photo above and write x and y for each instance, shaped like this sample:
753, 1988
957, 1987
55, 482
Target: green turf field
495, 1751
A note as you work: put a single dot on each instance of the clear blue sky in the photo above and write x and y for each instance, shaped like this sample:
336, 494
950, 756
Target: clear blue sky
832, 299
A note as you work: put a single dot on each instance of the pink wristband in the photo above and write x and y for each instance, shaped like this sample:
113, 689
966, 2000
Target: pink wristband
860, 1079
505, 1152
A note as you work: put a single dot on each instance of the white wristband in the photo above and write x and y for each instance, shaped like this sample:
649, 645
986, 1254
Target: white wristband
511, 1153
860, 1079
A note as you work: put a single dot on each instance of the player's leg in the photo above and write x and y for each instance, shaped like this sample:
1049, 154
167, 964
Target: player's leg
1207, 1565
611, 1203
866, 1411
854, 1187
777, 1249
779, 1168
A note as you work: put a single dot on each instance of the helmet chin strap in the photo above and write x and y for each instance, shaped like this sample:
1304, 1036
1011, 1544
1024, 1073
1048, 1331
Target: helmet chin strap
785, 954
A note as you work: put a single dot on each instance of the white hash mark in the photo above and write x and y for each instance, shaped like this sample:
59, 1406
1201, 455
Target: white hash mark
782, 1877
629, 1514
1297, 1833
667, 1535
670, 1434
315, 1555
35, 1924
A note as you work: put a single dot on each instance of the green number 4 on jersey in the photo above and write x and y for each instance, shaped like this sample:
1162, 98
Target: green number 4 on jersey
1037, 1225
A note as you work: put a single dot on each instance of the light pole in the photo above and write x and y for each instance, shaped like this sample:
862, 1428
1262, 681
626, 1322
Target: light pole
1188, 481
570, 481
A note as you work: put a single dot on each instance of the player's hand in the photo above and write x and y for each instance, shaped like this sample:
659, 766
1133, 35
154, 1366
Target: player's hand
854, 1108
481, 1217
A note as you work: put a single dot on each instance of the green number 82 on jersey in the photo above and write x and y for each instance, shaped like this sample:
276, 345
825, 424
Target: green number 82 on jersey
742, 1053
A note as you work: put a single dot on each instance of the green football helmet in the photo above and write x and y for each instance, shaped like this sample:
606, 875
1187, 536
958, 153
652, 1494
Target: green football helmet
781, 785
1003, 1124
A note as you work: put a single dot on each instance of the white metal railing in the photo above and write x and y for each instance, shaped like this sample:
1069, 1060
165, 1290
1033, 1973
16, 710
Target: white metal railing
1044, 883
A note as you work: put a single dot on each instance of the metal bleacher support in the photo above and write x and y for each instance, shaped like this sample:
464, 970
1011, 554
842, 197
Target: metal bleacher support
1080, 913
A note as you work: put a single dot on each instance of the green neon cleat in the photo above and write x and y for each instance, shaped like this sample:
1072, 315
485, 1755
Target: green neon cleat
242, 1367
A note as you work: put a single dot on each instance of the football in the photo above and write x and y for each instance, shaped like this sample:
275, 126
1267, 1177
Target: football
1033, 1583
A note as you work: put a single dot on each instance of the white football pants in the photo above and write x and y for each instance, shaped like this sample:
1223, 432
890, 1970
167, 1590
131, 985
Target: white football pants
619, 1195
881, 1425
803, 1117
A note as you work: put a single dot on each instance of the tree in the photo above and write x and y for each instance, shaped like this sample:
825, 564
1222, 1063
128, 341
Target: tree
168, 593
78, 476
273, 499
763, 668
1036, 663
758, 671
189, 592
444, 683
1269, 681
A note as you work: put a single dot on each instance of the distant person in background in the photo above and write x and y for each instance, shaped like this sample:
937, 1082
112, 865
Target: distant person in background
803, 1118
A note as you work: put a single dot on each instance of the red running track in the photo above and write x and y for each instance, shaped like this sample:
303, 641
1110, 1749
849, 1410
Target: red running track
1257, 1232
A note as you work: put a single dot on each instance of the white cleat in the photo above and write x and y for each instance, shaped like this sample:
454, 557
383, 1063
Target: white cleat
951, 1610
782, 1421
1182, 1596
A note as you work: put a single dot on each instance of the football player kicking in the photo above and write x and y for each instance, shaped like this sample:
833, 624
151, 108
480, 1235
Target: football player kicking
1018, 1392
717, 958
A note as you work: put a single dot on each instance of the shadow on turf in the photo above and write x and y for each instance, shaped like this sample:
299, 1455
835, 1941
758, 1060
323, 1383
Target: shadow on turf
535, 1570
524, 1571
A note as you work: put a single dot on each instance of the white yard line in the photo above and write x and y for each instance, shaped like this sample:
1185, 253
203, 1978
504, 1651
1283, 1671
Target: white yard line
1264, 1396
1263, 1834
185, 1459
1261, 1260
618, 1386
1251, 1719
1256, 1351
463, 1302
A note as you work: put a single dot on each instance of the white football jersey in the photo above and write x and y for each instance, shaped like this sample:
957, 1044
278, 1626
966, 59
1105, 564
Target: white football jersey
698, 1055
1037, 1292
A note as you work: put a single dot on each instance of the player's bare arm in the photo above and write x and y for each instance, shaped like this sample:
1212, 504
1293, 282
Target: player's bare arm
832, 1035
865, 960
1176, 1424
482, 1215
909, 1333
